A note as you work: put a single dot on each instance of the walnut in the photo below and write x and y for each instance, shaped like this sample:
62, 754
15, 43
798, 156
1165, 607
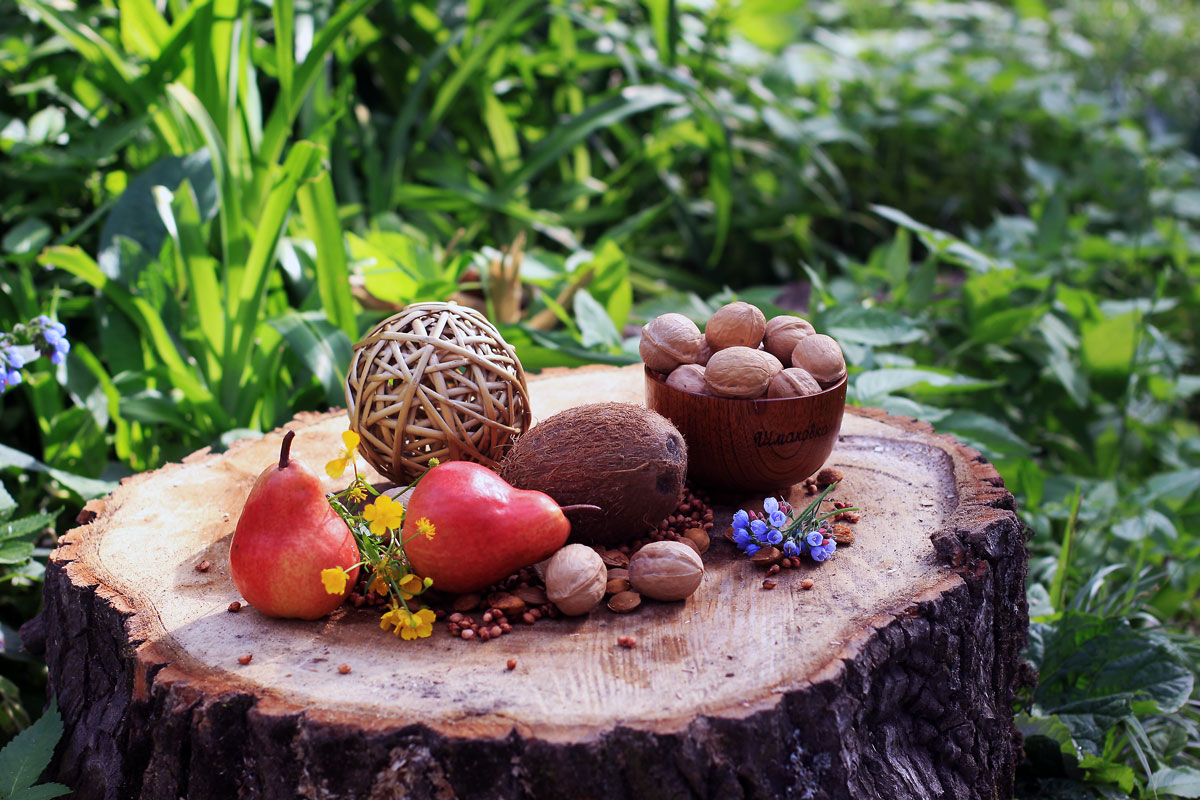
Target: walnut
706, 352
741, 372
575, 579
821, 356
793, 382
666, 570
670, 340
782, 335
688, 378
735, 325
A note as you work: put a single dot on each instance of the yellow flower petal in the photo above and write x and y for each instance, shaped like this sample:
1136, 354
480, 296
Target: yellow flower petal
351, 440
335, 468
426, 527
334, 580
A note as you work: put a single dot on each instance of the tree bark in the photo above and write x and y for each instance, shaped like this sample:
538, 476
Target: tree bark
893, 677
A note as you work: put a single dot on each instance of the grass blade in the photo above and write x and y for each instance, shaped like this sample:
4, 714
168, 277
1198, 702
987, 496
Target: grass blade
319, 210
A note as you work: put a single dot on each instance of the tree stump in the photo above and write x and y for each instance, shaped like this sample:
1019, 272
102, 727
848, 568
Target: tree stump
892, 677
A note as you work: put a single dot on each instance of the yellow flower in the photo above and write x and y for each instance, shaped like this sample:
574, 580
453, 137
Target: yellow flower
358, 492
424, 526
335, 468
418, 625
410, 586
392, 618
384, 513
433, 462
334, 580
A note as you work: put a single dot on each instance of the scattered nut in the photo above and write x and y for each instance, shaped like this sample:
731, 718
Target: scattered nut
821, 356
688, 378
783, 333
466, 602
741, 372
468, 634
612, 558
624, 602
507, 604
807, 583
575, 579
774, 570
668, 341
235, 606
768, 584
627, 641
766, 557
842, 534
203, 566
737, 324
511, 664
616, 585
618, 572
245, 659
343, 669
828, 475
793, 382
531, 595
699, 537
666, 570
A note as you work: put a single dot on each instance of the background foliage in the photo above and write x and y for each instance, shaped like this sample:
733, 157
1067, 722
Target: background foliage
993, 206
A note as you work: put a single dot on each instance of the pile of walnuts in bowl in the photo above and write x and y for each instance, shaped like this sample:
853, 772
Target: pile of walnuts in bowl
742, 354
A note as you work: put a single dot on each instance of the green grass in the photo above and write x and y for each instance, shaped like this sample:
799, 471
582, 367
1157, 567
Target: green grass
993, 206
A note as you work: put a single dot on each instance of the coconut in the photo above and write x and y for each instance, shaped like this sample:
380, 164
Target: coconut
626, 459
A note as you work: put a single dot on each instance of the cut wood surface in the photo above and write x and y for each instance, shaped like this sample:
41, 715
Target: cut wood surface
892, 677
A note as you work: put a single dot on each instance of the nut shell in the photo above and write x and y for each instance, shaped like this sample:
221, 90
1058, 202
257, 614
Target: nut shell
688, 378
670, 340
575, 579
666, 570
793, 382
737, 324
822, 357
741, 372
783, 333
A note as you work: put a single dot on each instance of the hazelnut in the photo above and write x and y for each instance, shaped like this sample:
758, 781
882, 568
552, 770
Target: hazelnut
821, 356
741, 372
616, 585
783, 333
699, 537
737, 324
666, 570
575, 579
793, 382
688, 378
670, 340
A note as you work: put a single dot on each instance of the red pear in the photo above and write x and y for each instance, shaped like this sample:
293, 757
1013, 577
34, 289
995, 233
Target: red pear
485, 530
286, 535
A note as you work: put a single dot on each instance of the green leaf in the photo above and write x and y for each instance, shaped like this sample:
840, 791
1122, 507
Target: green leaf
595, 326
1107, 346
874, 326
25, 758
325, 350
27, 236
43, 791
320, 212
664, 19
86, 488
1177, 781
7, 504
25, 526
988, 434
871, 385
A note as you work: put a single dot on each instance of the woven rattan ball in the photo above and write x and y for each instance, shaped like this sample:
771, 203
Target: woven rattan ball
435, 381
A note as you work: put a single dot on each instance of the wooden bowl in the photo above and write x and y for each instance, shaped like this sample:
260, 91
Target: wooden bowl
751, 445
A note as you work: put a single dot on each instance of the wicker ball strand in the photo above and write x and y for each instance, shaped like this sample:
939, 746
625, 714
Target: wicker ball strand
435, 381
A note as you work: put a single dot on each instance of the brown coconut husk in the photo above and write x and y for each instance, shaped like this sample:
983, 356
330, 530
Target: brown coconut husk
626, 459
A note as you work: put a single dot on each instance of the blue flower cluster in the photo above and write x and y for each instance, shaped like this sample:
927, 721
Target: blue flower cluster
752, 532
41, 337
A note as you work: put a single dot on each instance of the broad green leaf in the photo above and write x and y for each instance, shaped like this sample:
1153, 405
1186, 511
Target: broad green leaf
595, 326
1176, 781
325, 350
26, 527
987, 433
609, 283
1178, 485
15, 551
27, 236
7, 504
1108, 345
86, 488
875, 383
143, 29
874, 326
25, 758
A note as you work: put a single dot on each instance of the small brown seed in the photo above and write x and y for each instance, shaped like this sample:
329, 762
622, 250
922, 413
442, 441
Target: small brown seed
511, 664
768, 584
807, 583
528, 618
624, 602
466, 602
235, 606
484, 634
627, 641
456, 617
245, 659
203, 566
774, 570
344, 669
487, 616
468, 634
505, 627
496, 631
453, 629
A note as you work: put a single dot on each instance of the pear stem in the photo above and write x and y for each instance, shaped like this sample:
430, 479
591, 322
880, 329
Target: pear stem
579, 507
286, 448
